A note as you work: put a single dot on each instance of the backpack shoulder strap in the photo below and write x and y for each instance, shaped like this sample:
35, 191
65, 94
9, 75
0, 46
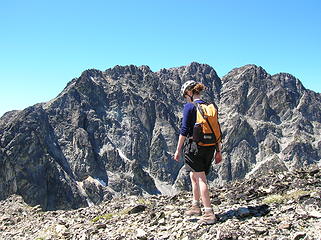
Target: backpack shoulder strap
199, 108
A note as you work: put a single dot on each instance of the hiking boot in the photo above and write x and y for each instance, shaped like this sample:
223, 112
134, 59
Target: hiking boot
208, 218
194, 211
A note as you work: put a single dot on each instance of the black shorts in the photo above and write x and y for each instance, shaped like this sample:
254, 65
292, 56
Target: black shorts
198, 158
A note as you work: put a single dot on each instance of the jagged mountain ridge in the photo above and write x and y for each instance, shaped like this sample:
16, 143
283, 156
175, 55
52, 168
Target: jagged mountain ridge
114, 132
280, 119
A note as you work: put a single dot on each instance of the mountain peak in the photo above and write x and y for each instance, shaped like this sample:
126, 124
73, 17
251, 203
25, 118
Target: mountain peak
91, 73
121, 126
289, 81
249, 71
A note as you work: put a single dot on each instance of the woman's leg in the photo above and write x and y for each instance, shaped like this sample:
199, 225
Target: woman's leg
195, 186
208, 216
195, 208
203, 188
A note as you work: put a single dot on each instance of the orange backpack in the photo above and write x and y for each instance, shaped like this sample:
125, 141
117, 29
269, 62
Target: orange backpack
207, 130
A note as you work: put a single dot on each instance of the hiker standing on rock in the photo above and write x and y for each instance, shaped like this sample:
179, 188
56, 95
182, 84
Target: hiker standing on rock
201, 129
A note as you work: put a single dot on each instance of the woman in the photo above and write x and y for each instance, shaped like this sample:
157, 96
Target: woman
198, 159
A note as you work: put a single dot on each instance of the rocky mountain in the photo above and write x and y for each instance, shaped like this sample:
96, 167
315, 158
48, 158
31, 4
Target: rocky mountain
112, 133
281, 205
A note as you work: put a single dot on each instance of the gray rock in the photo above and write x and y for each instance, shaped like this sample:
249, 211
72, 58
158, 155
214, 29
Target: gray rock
114, 132
246, 218
137, 209
299, 235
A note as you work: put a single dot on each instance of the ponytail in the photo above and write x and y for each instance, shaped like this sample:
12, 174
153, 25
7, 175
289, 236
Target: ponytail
198, 88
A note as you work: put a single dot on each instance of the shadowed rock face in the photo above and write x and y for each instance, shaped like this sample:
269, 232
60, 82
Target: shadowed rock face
114, 132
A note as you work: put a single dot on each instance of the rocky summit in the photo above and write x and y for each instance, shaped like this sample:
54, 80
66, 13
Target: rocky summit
113, 133
276, 205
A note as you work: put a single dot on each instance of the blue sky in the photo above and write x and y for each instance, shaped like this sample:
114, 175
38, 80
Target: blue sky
44, 44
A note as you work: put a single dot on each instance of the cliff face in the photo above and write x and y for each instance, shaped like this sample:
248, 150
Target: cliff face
271, 120
114, 132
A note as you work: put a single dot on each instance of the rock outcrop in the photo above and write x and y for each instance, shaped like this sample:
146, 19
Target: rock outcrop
112, 133
277, 205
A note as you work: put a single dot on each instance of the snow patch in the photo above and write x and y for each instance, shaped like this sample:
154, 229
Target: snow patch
122, 155
102, 182
89, 202
94, 80
257, 166
96, 181
103, 150
164, 187
83, 193
80, 186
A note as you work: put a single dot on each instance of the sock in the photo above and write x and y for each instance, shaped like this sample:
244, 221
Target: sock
196, 202
208, 209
